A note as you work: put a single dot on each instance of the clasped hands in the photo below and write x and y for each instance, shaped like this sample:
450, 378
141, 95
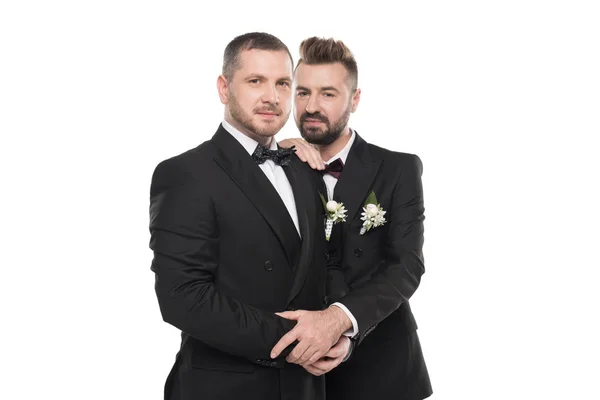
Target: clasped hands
321, 344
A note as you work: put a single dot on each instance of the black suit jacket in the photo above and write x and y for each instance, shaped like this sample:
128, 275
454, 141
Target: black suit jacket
380, 271
226, 257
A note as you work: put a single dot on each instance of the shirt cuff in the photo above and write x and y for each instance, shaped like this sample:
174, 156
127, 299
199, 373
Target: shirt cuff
348, 354
350, 332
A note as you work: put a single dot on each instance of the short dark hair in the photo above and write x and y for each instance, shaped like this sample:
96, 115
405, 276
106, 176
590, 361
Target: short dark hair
249, 41
315, 50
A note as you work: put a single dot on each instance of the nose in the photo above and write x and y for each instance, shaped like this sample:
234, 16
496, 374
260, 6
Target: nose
312, 105
270, 95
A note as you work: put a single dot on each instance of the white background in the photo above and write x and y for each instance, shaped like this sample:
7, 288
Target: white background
500, 100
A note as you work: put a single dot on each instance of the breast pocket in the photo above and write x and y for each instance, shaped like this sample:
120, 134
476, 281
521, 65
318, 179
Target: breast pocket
374, 237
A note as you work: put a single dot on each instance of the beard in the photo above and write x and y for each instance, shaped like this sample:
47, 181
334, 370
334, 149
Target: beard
326, 135
264, 129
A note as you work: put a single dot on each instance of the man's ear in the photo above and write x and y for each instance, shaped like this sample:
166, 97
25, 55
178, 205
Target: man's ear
355, 99
223, 89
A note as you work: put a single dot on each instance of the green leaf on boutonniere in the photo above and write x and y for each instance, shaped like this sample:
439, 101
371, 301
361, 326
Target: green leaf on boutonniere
371, 199
323, 201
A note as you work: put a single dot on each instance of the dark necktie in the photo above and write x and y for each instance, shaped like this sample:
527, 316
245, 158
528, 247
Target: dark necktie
281, 157
334, 168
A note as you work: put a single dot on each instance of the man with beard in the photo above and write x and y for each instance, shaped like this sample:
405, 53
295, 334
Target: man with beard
237, 232
382, 238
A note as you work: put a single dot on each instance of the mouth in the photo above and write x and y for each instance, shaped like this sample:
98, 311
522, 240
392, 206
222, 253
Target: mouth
313, 121
268, 114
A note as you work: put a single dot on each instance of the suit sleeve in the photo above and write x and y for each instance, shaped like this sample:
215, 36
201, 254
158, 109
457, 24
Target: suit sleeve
185, 243
399, 276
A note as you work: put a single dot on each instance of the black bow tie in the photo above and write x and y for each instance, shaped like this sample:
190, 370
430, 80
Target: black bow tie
281, 157
334, 168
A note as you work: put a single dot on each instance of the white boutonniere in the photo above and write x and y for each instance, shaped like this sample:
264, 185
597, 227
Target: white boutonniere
336, 212
373, 215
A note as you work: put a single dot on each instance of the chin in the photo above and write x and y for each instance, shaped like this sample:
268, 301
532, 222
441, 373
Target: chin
267, 129
312, 134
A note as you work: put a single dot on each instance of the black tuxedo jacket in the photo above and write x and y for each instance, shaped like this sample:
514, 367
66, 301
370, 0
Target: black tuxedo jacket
380, 271
226, 257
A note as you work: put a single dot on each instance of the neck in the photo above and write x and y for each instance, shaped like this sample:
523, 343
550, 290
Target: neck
329, 150
263, 140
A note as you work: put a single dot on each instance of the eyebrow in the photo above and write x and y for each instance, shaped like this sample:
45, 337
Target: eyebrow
322, 89
259, 76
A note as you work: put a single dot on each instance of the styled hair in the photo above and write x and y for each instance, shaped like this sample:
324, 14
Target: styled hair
315, 50
254, 40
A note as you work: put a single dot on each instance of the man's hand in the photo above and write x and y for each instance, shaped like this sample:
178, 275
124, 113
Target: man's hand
306, 152
332, 359
316, 332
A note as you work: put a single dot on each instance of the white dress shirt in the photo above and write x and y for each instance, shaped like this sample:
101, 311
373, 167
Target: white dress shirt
272, 171
330, 182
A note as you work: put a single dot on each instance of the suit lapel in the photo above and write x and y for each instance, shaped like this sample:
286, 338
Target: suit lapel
247, 175
359, 172
304, 196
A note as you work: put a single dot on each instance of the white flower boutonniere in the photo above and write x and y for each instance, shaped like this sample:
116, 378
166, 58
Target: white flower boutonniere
336, 212
373, 215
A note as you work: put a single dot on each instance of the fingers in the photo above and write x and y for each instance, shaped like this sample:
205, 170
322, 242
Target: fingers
289, 337
336, 351
298, 352
340, 349
311, 355
306, 152
312, 359
313, 156
284, 342
299, 149
286, 143
313, 336
314, 371
322, 366
306, 354
294, 315
325, 365
310, 349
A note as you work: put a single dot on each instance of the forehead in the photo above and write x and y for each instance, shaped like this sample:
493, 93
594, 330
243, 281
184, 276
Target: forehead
275, 64
320, 75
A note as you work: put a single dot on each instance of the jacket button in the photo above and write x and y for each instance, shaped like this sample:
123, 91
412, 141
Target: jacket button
358, 252
325, 300
268, 266
327, 256
273, 364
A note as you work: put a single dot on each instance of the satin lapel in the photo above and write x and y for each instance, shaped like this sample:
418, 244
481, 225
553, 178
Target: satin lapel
359, 172
305, 204
247, 175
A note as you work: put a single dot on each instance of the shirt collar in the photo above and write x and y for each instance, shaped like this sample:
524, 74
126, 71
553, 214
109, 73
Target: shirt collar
343, 154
